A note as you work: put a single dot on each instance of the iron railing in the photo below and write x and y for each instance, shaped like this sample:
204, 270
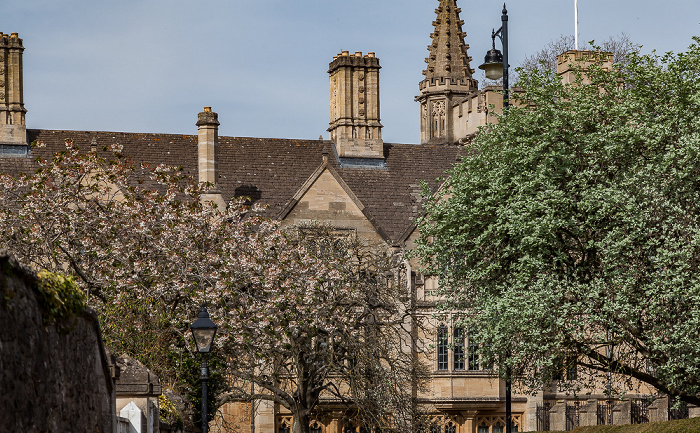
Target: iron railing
573, 415
543, 416
605, 412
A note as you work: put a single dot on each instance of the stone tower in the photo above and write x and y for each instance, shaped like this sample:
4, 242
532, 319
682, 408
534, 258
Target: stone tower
13, 130
355, 126
448, 76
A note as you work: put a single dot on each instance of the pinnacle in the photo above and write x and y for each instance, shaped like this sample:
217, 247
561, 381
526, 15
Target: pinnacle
448, 52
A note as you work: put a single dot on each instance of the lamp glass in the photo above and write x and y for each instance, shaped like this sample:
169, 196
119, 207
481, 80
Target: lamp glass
494, 71
203, 337
203, 330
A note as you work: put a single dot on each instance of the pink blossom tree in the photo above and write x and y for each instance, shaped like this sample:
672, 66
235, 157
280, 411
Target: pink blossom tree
300, 324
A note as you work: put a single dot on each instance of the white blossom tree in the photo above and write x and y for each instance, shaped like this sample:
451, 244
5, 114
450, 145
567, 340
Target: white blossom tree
572, 231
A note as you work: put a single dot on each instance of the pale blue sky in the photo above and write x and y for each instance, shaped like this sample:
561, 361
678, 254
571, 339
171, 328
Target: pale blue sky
151, 65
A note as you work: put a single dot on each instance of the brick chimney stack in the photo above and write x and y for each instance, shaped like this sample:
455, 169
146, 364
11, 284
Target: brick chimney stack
208, 148
13, 129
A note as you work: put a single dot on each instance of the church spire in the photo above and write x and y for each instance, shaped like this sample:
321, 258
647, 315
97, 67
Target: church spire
448, 75
448, 52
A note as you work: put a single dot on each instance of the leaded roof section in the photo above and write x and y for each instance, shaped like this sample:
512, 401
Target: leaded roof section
448, 56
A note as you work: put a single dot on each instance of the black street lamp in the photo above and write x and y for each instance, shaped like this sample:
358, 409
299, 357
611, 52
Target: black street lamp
496, 65
204, 330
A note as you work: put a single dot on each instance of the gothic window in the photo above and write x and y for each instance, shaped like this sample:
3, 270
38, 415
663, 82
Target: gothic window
483, 428
442, 347
439, 118
458, 348
350, 429
284, 428
450, 428
315, 428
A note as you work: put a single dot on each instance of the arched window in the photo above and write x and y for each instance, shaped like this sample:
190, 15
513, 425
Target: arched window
284, 428
483, 428
450, 428
442, 343
315, 428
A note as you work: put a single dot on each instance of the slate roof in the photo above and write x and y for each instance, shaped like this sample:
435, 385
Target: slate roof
272, 170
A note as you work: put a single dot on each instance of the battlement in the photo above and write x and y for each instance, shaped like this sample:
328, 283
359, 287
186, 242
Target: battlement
344, 58
10, 41
443, 83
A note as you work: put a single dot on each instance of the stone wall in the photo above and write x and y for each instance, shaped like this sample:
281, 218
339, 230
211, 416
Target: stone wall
51, 380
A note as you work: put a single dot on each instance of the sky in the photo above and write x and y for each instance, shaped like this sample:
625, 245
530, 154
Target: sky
152, 65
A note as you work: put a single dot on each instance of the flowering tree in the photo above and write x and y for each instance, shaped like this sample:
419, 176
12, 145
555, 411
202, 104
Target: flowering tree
345, 339
298, 323
571, 232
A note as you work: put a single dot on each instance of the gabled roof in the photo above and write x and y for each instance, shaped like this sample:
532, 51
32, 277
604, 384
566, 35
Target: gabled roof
271, 171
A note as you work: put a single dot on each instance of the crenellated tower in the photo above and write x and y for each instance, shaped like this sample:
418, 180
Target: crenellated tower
448, 76
13, 129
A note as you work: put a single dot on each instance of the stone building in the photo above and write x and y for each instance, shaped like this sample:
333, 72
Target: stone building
354, 181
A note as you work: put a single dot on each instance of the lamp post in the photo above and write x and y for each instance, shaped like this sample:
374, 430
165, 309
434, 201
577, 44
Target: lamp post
496, 66
204, 330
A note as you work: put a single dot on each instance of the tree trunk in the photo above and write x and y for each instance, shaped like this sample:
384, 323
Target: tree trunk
301, 421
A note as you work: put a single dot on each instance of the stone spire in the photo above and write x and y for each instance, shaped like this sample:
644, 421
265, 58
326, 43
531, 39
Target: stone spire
448, 53
448, 75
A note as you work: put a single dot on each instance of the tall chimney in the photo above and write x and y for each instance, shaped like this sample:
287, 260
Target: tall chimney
208, 149
355, 127
13, 129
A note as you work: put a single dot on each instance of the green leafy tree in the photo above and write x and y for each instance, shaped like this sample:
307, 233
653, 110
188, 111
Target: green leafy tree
572, 230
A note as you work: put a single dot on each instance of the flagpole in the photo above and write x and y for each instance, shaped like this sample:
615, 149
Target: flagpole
576, 24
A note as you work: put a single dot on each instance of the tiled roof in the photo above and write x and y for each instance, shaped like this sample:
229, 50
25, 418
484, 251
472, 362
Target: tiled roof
272, 170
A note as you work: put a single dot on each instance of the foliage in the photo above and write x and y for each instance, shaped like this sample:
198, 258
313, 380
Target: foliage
573, 228
59, 296
168, 411
296, 317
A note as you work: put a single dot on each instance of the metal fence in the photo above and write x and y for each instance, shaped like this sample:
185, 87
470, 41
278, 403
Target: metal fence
543, 416
573, 415
677, 411
605, 412
640, 411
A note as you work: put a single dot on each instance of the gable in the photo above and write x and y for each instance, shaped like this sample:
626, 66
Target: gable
327, 200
